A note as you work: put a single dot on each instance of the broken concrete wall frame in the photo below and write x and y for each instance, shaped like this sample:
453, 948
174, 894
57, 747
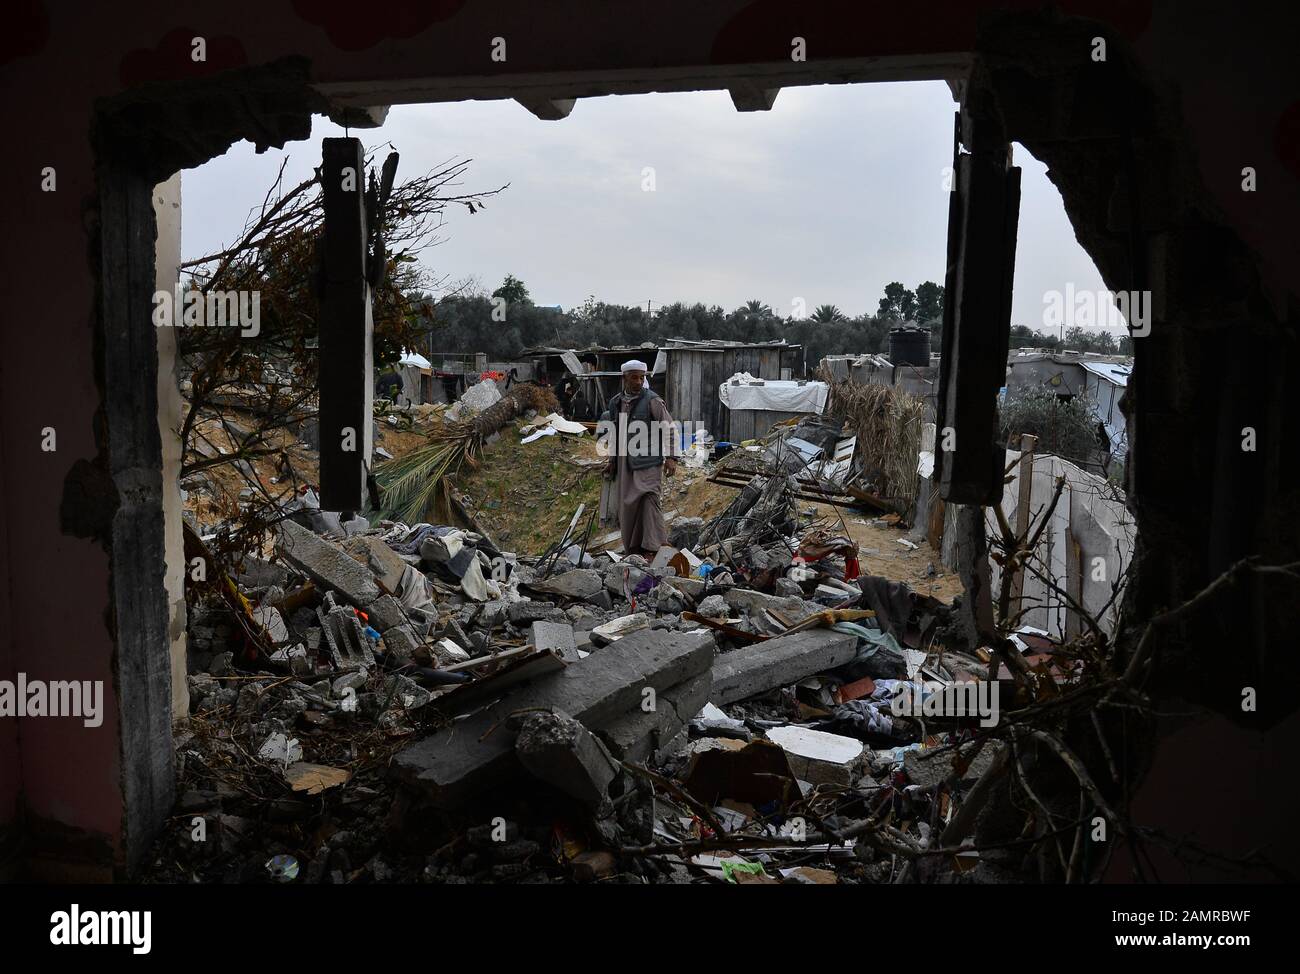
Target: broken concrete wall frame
982, 214
1219, 265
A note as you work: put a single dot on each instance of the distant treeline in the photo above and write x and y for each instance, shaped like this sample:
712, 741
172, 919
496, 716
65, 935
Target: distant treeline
507, 321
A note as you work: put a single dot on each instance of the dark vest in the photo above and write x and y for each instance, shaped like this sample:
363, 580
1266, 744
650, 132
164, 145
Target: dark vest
644, 443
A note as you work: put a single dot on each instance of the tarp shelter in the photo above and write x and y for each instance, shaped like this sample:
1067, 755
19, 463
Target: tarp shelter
1104, 385
415, 371
754, 405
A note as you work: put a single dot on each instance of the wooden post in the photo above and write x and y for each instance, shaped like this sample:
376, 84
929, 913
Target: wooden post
346, 331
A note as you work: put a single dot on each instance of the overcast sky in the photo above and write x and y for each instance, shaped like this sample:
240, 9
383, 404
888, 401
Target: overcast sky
832, 194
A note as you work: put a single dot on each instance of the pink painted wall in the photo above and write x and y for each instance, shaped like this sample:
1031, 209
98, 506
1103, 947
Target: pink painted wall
55, 59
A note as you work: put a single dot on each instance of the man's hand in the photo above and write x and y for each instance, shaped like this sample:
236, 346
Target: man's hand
670, 466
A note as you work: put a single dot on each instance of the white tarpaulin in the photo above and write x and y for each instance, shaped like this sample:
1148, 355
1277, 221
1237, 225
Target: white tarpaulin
549, 425
743, 391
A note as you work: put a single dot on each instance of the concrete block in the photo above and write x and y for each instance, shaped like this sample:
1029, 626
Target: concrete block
685, 532
619, 628
779, 662
401, 641
557, 636
714, 606
817, 757
559, 750
580, 583
452, 764
528, 611
346, 643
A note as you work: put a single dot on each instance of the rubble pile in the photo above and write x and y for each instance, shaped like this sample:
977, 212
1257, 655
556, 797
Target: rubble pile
409, 702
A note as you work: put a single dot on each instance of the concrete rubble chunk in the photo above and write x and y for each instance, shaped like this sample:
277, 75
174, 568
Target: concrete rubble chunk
619, 628
382, 560
580, 583
402, 641
272, 622
475, 399
788, 587
794, 609
668, 599
931, 767
453, 764
685, 532
326, 564
779, 662
560, 751
621, 577
818, 757
694, 587
385, 613
713, 606
528, 611
557, 636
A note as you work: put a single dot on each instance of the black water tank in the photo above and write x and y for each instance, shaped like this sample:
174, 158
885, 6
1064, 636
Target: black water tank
909, 346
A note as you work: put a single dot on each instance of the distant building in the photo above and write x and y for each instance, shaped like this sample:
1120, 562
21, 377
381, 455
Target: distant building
687, 374
1099, 379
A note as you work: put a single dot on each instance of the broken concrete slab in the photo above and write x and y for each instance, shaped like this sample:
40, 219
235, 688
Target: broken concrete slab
453, 764
382, 560
326, 564
271, 621
647, 733
789, 588
818, 757
560, 751
779, 662
580, 583
793, 609
557, 636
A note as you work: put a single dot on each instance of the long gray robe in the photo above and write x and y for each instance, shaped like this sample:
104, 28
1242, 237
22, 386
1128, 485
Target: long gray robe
640, 517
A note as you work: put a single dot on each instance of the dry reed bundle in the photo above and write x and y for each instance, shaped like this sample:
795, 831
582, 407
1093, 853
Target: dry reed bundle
888, 425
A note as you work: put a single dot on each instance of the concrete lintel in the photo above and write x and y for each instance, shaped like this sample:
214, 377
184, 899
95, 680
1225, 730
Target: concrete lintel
548, 109
557, 85
359, 116
753, 99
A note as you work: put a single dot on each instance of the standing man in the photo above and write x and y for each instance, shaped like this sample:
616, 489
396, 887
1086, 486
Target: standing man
644, 448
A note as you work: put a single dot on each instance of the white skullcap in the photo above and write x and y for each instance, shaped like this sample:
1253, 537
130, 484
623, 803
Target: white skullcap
637, 364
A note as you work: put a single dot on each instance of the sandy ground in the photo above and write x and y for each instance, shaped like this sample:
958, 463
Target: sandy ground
526, 494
